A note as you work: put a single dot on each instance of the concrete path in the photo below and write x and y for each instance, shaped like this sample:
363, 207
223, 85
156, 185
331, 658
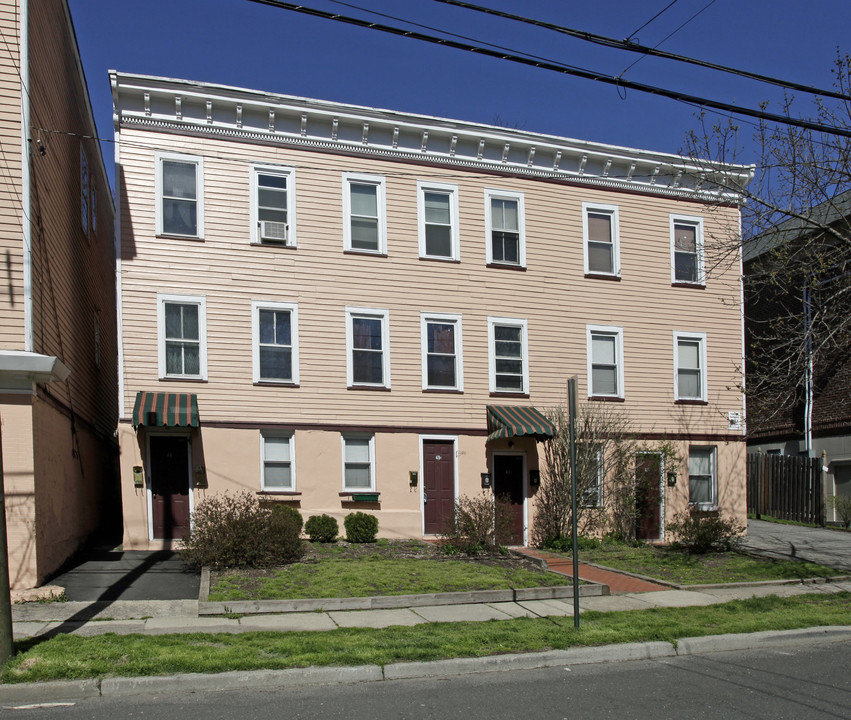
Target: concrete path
818, 545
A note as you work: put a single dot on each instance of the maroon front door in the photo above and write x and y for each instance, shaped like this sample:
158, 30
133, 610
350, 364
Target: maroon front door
169, 486
508, 489
648, 497
438, 484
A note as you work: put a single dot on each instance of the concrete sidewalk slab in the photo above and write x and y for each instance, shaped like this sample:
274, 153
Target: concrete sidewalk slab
116, 610
377, 618
162, 625
287, 622
461, 613
549, 608
119, 627
614, 603
676, 598
514, 610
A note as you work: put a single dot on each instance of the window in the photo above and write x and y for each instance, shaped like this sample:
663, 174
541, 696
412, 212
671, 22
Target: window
504, 223
364, 224
358, 462
272, 211
592, 495
605, 361
702, 488
84, 192
182, 337
601, 236
180, 195
690, 366
368, 346
275, 341
437, 210
687, 250
508, 357
277, 451
441, 348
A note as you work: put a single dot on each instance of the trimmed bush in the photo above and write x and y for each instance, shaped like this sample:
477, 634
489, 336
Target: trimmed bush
700, 532
322, 529
292, 512
237, 531
360, 527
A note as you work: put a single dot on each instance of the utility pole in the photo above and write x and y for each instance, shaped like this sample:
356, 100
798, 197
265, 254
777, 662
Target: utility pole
571, 410
5, 589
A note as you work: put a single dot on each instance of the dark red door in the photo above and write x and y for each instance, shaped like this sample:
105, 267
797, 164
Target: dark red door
438, 484
170, 486
648, 497
508, 489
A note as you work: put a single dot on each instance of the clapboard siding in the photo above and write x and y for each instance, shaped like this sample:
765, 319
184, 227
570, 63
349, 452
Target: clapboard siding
552, 294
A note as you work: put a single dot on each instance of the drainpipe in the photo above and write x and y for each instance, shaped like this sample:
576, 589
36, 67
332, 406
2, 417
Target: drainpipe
25, 176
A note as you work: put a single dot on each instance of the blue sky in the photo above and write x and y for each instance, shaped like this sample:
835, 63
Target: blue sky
245, 44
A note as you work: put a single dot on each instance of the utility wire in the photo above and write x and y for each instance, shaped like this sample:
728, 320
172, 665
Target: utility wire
630, 46
663, 10
563, 69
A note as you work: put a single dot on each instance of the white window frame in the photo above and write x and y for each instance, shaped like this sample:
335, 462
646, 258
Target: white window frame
443, 189
292, 308
198, 162
521, 323
199, 300
613, 212
379, 181
289, 435
499, 194
359, 436
373, 313
700, 338
713, 466
697, 223
445, 318
611, 331
284, 171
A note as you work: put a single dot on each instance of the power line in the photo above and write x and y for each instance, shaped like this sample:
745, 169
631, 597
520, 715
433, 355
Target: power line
563, 69
661, 12
630, 46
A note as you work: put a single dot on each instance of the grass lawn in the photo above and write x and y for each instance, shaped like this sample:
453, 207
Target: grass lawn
678, 567
374, 575
66, 657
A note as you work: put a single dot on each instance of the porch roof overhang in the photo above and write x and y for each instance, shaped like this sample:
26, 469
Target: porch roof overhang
165, 409
21, 370
517, 421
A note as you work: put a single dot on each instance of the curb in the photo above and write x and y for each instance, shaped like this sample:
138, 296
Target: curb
315, 676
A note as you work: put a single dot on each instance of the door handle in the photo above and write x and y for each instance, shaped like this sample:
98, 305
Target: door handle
425, 498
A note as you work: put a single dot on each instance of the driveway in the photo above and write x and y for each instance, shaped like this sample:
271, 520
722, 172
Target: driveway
826, 547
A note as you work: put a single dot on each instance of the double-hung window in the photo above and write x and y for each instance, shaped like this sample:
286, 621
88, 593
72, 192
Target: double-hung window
605, 361
437, 205
504, 225
508, 356
690, 366
358, 462
364, 219
180, 195
277, 451
182, 334
441, 350
702, 483
687, 250
275, 341
368, 347
600, 231
272, 208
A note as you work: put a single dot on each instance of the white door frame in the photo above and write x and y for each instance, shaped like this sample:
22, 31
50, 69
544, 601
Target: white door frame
166, 432
522, 454
439, 438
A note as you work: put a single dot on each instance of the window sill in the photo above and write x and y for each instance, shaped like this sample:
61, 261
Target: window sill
508, 394
691, 402
370, 253
506, 266
695, 286
283, 494
437, 258
444, 391
368, 496
602, 276
276, 383
373, 388
191, 238
175, 378
605, 398
274, 245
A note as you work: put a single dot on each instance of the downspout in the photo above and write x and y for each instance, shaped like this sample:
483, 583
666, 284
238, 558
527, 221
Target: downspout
26, 227
113, 79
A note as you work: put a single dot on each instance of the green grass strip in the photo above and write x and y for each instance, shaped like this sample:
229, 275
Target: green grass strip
66, 657
365, 577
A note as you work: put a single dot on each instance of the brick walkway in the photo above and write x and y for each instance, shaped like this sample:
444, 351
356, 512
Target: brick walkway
618, 582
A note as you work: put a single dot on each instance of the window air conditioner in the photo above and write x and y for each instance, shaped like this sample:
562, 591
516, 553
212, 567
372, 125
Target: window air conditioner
273, 231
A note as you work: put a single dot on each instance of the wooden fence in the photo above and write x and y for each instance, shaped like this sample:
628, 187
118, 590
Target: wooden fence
786, 487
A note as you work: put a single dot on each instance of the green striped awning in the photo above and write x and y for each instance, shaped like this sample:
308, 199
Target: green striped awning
165, 409
515, 421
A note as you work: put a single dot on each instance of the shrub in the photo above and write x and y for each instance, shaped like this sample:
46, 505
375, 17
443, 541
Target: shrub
322, 528
237, 531
700, 532
842, 505
292, 512
477, 526
360, 527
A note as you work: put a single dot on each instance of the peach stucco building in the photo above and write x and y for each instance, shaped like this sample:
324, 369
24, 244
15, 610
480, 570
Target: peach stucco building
341, 308
58, 356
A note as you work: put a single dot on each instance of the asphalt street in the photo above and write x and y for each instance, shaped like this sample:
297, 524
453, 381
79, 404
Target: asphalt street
819, 545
